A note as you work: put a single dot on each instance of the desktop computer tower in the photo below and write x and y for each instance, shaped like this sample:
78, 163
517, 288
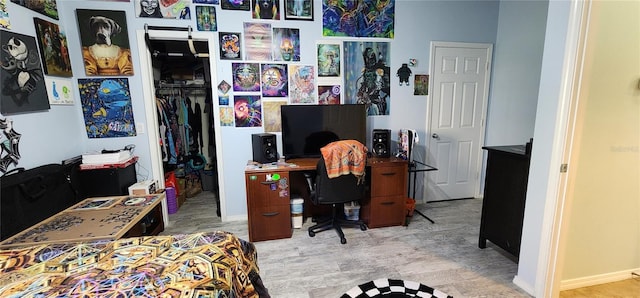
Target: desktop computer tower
264, 147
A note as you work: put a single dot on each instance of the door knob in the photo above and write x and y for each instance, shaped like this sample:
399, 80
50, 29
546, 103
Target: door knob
435, 136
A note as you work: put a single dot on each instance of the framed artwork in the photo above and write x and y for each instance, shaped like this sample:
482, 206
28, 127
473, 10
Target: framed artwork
46, 7
302, 83
59, 91
106, 107
275, 81
167, 9
301, 10
272, 115
286, 44
246, 76
226, 116
247, 110
5, 22
54, 50
421, 84
206, 18
230, 48
367, 75
265, 9
329, 94
107, 53
329, 58
235, 5
22, 81
257, 41
374, 18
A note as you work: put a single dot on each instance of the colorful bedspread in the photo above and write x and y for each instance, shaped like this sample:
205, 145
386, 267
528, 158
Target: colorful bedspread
215, 264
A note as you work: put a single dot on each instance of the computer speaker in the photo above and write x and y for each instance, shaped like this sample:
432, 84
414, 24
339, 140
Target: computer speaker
265, 149
381, 143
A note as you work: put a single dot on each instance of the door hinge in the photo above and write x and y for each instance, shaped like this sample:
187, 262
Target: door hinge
563, 168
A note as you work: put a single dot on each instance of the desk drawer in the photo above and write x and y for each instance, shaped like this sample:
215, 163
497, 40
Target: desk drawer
262, 193
387, 211
270, 223
388, 181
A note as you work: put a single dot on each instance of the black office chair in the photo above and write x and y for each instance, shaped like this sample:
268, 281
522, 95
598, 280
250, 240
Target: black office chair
335, 192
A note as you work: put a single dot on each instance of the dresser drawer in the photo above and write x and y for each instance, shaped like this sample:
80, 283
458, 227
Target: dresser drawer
388, 181
387, 211
269, 223
263, 193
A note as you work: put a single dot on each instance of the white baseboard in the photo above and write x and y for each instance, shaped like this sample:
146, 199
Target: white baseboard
235, 218
524, 286
596, 279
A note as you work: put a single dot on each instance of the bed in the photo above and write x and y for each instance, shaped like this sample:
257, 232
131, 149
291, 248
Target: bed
213, 264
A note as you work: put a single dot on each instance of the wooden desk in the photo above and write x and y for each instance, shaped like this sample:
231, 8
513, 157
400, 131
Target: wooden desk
268, 198
100, 218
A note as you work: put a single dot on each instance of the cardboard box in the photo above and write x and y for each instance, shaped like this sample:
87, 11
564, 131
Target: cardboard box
143, 188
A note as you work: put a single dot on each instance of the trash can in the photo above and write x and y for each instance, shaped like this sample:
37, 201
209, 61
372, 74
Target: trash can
296, 212
352, 211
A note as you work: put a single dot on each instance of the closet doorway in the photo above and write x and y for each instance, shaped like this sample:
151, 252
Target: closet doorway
179, 104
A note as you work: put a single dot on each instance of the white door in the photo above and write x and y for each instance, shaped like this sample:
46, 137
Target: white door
456, 120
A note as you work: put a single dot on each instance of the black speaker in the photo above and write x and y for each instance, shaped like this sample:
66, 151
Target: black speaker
265, 149
381, 142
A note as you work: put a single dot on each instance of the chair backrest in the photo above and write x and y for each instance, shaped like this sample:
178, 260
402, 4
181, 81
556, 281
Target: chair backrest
342, 189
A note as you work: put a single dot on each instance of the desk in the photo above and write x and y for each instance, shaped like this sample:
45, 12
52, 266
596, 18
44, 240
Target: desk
101, 218
415, 167
268, 198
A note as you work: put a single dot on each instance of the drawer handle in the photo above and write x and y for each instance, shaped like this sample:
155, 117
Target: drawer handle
270, 214
388, 174
388, 203
267, 182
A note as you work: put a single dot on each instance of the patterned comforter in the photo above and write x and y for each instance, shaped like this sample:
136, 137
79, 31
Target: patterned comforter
216, 264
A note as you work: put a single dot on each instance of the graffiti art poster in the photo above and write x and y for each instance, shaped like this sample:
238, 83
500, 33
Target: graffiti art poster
368, 75
168, 9
275, 80
246, 76
59, 91
257, 41
247, 110
286, 44
106, 107
329, 94
302, 83
230, 48
272, 115
21, 76
364, 18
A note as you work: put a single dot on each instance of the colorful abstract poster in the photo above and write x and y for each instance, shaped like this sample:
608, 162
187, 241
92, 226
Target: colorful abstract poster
257, 41
106, 107
265, 9
230, 48
272, 115
329, 95
21, 77
226, 116
286, 44
247, 110
46, 7
302, 83
5, 22
329, 59
108, 53
206, 18
368, 75
246, 76
301, 10
364, 18
275, 80
59, 91
167, 9
54, 50
421, 85
236, 4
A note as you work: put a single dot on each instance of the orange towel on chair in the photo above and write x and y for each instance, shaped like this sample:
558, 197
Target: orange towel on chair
345, 157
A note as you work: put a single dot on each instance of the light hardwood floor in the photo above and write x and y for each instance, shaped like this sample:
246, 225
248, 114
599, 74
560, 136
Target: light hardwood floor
444, 255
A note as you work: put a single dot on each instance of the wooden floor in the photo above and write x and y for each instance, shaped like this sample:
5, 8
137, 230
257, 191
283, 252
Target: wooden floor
625, 288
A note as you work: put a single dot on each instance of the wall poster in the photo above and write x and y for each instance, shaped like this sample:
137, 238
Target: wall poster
54, 50
368, 75
363, 18
106, 107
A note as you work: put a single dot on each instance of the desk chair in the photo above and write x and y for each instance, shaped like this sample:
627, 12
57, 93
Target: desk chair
334, 192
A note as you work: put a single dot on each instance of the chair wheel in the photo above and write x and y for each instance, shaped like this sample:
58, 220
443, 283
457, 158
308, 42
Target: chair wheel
312, 233
363, 227
343, 240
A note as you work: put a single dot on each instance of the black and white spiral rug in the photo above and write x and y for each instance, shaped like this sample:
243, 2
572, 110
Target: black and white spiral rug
393, 288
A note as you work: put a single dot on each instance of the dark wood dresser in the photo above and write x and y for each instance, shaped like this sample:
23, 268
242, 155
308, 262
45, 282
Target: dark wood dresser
505, 190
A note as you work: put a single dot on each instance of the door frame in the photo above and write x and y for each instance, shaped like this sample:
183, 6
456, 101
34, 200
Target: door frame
485, 99
148, 90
